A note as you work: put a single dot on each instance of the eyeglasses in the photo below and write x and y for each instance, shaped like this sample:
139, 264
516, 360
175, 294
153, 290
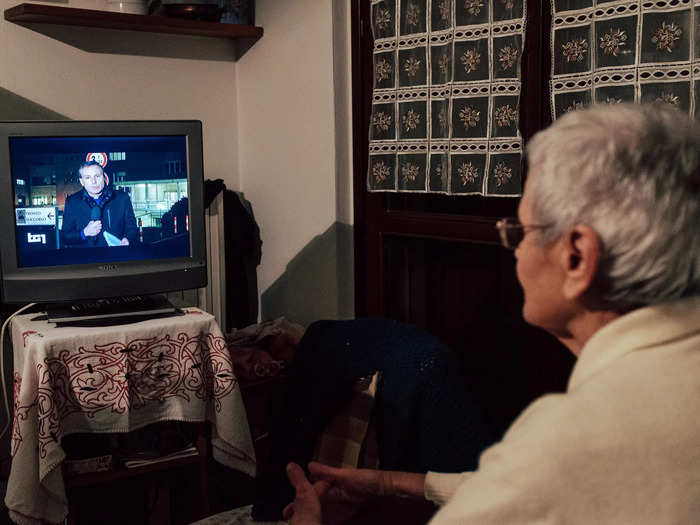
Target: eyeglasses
512, 232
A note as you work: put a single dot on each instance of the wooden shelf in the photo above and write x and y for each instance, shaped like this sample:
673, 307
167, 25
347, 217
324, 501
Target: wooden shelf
35, 16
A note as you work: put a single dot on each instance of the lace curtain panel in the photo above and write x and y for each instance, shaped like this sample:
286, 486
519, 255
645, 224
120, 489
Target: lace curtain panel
446, 97
634, 51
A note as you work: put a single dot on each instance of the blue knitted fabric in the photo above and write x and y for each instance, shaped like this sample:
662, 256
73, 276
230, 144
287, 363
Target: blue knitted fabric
427, 418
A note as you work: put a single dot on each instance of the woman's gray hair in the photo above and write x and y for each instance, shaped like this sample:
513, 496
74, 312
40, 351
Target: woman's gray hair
632, 173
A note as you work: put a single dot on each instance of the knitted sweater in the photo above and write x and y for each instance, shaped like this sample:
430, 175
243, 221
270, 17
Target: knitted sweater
621, 446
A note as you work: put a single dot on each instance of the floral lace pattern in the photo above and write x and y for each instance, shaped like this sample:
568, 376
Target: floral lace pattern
575, 50
412, 14
505, 115
445, 7
507, 56
442, 119
574, 106
380, 172
669, 98
473, 7
612, 42
468, 173
471, 60
624, 51
383, 19
381, 121
502, 173
411, 66
411, 120
469, 117
409, 172
446, 99
444, 63
666, 36
382, 70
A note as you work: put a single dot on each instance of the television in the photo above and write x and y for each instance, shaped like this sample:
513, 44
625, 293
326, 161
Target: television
100, 209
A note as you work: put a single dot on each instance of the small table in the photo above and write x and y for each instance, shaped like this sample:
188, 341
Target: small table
115, 379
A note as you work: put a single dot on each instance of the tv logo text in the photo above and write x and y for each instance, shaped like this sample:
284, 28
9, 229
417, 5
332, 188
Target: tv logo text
39, 237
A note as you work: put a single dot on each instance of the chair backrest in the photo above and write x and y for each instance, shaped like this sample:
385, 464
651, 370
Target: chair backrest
349, 439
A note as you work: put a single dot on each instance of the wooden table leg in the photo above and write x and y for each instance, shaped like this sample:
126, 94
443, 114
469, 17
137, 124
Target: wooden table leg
159, 495
203, 449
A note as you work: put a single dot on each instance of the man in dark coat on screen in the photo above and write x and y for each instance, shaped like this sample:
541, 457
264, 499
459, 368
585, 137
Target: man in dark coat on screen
95, 210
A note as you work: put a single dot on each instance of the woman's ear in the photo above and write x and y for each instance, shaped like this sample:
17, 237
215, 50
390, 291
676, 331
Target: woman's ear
580, 261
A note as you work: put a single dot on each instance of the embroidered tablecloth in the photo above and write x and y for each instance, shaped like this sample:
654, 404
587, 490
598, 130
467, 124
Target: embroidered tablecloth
115, 379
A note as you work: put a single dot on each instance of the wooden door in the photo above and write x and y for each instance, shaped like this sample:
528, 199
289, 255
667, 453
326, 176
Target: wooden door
435, 260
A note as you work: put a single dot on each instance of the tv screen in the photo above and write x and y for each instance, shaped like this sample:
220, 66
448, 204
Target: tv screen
100, 209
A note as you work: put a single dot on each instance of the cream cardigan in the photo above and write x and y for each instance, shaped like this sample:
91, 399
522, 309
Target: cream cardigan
621, 446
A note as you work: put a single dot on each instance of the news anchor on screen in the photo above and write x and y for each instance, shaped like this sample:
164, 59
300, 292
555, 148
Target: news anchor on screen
97, 215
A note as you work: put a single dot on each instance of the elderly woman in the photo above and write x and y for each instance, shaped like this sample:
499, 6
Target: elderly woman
608, 254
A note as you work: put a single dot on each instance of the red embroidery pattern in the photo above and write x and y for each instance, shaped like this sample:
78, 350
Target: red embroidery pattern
25, 335
118, 377
20, 414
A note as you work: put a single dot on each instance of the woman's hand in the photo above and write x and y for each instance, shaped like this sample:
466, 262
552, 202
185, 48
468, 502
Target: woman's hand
306, 507
350, 485
343, 492
363, 485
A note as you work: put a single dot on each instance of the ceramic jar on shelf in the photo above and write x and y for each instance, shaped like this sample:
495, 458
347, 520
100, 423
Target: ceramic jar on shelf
237, 11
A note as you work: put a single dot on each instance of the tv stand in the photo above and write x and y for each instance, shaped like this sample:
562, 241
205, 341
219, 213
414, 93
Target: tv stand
115, 310
112, 381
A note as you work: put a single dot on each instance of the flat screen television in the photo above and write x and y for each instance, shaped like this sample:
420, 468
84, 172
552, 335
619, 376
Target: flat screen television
100, 209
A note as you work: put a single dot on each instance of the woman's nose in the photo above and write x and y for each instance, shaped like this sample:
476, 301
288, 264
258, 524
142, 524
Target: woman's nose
516, 252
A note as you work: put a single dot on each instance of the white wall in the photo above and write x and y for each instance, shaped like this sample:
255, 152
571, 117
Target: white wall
92, 86
287, 128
